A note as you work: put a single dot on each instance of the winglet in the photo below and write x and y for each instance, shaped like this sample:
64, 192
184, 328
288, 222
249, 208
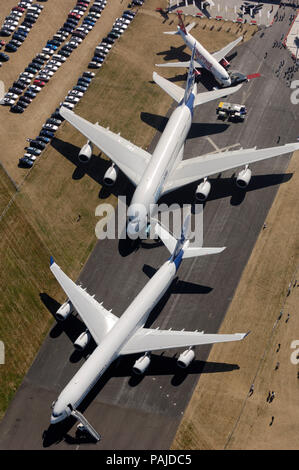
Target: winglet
51, 260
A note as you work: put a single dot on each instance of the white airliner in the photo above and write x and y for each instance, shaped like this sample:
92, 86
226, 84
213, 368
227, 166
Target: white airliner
164, 171
126, 335
214, 63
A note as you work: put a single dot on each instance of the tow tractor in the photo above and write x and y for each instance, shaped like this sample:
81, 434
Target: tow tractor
231, 111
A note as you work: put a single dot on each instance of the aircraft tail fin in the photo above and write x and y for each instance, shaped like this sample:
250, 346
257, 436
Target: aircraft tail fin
191, 77
179, 249
181, 24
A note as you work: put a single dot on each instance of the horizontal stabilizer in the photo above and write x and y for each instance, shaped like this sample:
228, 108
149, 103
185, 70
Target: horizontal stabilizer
147, 339
176, 92
207, 96
199, 251
170, 32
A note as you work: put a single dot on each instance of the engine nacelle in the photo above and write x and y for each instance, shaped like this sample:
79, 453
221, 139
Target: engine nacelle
186, 358
141, 364
243, 178
225, 63
203, 190
64, 311
82, 341
111, 175
85, 152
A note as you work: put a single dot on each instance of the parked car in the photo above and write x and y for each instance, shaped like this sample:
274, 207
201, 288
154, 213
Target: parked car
17, 109
46, 133
3, 57
7, 101
25, 161
42, 139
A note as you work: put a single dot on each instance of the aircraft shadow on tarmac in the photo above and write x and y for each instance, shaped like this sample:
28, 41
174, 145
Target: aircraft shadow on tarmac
198, 129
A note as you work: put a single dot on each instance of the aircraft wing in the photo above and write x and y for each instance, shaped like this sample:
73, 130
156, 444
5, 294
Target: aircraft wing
180, 64
197, 168
219, 55
97, 319
132, 160
147, 339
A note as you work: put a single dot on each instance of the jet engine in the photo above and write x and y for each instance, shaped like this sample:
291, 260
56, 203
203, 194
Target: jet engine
141, 364
225, 63
243, 178
203, 190
186, 358
82, 340
111, 175
64, 311
85, 152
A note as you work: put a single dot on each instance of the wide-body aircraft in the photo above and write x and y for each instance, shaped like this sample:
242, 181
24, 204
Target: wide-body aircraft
165, 170
215, 63
126, 335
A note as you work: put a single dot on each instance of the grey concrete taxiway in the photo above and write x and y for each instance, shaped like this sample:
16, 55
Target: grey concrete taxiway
144, 413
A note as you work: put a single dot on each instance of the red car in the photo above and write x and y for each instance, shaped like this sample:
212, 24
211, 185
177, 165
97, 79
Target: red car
39, 82
18, 9
2, 43
74, 15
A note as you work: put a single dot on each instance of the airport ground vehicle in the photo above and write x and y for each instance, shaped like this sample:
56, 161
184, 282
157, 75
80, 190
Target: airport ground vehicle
231, 111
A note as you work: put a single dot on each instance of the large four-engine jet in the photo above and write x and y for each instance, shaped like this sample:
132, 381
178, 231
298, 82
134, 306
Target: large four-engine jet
164, 171
126, 335
214, 63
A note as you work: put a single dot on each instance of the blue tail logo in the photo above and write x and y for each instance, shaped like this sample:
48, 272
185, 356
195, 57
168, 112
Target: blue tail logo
189, 96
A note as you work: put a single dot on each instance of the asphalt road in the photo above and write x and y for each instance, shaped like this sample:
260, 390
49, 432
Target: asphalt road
145, 413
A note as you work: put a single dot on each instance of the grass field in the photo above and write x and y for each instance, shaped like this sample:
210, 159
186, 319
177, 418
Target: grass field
42, 219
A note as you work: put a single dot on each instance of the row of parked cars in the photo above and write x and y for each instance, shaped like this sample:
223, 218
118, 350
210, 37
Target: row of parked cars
45, 64
102, 49
20, 32
37, 145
